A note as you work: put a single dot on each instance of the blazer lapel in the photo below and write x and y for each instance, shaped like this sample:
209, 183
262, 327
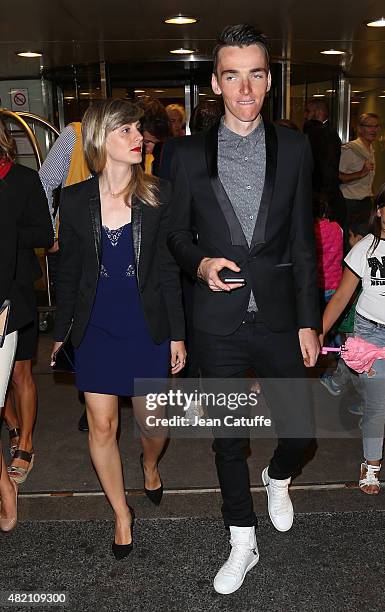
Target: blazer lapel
271, 143
237, 236
136, 220
96, 215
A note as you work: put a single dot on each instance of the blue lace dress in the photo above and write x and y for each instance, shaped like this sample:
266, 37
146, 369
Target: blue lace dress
117, 346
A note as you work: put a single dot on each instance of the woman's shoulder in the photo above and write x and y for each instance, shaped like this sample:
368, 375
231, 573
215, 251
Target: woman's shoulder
24, 173
90, 186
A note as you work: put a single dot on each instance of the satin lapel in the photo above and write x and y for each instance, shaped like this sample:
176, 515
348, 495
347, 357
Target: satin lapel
96, 215
271, 143
136, 220
237, 236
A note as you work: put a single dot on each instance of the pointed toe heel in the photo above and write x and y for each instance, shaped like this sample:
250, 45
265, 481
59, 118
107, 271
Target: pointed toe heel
154, 495
121, 551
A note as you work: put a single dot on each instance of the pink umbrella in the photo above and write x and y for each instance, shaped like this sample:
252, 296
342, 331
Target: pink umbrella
360, 355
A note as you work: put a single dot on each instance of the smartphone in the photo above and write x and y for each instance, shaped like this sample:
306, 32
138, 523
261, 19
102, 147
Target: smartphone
228, 276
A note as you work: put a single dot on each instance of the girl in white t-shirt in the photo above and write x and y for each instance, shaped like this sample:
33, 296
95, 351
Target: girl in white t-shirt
366, 262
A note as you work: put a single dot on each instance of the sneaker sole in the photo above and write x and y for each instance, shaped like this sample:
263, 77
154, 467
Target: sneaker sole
249, 567
334, 393
265, 480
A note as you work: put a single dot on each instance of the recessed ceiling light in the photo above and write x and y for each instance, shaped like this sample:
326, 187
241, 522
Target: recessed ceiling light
355, 102
356, 91
182, 51
383, 96
377, 23
318, 95
330, 91
180, 20
69, 97
203, 94
85, 93
29, 54
139, 90
159, 90
332, 52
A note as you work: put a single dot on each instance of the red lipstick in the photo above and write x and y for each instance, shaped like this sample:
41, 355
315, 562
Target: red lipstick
137, 149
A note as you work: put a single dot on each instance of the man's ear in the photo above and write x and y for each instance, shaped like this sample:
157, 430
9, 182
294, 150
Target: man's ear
268, 81
214, 85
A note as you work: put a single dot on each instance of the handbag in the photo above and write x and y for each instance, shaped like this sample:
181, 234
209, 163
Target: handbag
5, 309
63, 360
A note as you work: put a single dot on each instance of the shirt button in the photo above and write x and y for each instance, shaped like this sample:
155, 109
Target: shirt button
248, 186
251, 217
246, 158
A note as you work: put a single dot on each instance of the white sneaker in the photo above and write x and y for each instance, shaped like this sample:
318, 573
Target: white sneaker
243, 556
278, 501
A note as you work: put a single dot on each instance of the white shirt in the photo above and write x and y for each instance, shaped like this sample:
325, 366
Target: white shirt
370, 267
352, 162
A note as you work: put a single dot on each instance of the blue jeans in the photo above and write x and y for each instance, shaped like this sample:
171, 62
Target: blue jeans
373, 386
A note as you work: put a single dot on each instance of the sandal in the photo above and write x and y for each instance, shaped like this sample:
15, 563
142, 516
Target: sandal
368, 477
13, 433
19, 474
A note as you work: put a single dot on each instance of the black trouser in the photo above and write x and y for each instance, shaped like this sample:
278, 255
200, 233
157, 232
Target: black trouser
273, 356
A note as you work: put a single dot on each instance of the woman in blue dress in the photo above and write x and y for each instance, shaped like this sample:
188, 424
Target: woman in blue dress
118, 293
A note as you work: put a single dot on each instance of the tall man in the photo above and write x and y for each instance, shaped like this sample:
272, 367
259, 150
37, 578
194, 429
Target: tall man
245, 186
326, 148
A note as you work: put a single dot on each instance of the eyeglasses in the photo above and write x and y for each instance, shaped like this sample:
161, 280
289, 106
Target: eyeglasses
367, 125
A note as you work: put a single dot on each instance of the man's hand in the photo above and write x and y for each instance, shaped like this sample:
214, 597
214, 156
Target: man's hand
178, 356
55, 349
208, 272
309, 346
367, 167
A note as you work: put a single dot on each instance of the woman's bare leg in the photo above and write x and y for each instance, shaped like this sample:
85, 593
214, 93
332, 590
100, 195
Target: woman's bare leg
25, 397
102, 414
7, 491
152, 444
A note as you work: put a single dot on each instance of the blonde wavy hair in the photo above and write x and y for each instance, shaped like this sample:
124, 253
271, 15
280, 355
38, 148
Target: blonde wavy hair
7, 143
99, 120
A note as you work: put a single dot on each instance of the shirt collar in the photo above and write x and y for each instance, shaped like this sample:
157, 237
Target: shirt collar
226, 135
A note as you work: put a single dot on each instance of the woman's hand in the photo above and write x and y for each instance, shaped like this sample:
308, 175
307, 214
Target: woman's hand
178, 356
55, 349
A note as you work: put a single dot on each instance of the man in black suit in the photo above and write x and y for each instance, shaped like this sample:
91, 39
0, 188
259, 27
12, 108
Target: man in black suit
245, 185
326, 149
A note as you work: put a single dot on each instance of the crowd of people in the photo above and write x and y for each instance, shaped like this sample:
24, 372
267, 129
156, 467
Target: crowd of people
244, 241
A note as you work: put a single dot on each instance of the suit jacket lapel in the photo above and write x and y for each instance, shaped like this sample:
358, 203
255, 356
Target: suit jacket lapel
96, 215
136, 220
237, 236
271, 143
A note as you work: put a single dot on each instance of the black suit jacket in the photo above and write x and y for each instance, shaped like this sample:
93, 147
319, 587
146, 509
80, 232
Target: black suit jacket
23, 204
80, 258
280, 265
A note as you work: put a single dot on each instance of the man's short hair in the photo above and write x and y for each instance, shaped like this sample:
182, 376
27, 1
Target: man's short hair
241, 35
319, 105
362, 119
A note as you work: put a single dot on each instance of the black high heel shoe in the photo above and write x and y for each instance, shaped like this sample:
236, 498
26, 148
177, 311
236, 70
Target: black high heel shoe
121, 551
154, 495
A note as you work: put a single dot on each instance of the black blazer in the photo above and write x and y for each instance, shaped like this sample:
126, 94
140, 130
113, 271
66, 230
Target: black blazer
24, 204
280, 265
80, 256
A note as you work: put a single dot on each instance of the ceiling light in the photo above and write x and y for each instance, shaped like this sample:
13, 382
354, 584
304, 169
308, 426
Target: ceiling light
355, 102
318, 95
377, 23
356, 91
85, 93
180, 20
203, 94
182, 51
29, 54
69, 97
159, 90
139, 90
332, 52
383, 96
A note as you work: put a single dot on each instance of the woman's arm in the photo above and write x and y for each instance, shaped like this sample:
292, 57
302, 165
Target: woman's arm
340, 300
36, 229
69, 270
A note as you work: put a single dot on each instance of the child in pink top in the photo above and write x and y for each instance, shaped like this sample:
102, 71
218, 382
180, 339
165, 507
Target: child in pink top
329, 244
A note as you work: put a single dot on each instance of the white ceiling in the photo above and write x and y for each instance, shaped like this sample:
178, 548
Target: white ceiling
85, 31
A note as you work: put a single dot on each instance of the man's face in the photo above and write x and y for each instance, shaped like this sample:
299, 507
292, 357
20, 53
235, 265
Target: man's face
369, 129
243, 79
309, 113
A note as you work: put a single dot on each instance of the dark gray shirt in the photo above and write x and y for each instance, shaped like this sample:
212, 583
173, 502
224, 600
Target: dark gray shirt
241, 169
